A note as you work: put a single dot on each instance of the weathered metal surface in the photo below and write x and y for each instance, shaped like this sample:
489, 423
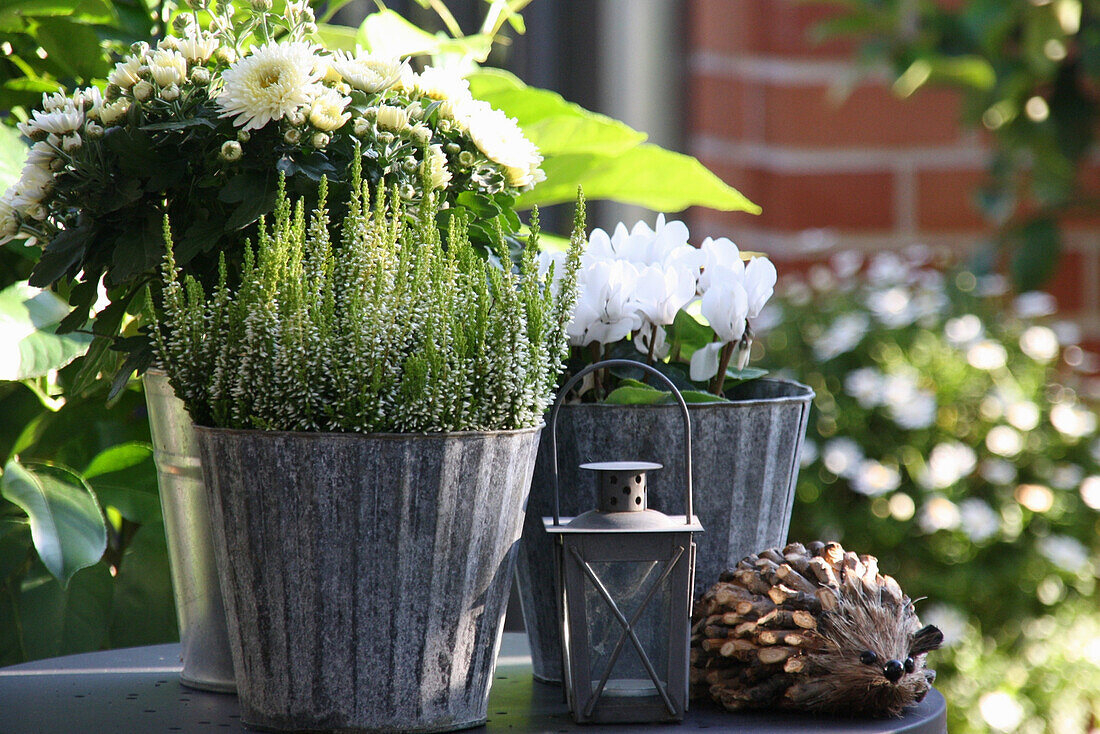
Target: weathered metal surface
204, 641
745, 467
366, 576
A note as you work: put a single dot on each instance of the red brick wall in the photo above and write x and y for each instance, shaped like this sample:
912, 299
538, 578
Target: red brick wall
833, 157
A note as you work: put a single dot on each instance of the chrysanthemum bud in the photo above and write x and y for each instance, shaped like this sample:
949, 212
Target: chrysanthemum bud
39, 212
71, 142
410, 164
319, 140
292, 136
225, 55
57, 164
93, 130
360, 127
113, 92
143, 90
296, 118
139, 48
199, 5
244, 136
261, 6
170, 93
200, 75
466, 158
385, 137
231, 151
181, 23
453, 148
407, 192
445, 126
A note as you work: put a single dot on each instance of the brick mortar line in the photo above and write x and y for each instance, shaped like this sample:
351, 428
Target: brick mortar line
783, 70
836, 160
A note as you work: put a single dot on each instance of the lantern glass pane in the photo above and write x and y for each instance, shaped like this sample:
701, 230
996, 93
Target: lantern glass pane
629, 583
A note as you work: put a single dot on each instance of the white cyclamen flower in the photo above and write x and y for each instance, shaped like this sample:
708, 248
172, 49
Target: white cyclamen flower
662, 291
705, 361
760, 278
168, 67
725, 306
606, 311
370, 74
645, 333
326, 111
716, 253
269, 84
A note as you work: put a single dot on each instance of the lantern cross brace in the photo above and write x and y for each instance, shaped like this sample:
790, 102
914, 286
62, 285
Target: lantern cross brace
628, 629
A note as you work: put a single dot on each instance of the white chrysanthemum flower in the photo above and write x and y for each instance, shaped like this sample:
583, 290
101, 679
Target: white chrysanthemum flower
56, 101
114, 112
391, 118
438, 173
168, 67
326, 112
199, 48
59, 122
126, 73
370, 74
32, 186
442, 84
270, 83
9, 220
41, 154
501, 140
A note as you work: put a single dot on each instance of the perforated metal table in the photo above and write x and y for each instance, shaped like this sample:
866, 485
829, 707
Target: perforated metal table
137, 691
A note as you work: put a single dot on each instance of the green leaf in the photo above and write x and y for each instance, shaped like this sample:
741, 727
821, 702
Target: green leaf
12, 154
337, 37
59, 620
633, 392
388, 34
698, 396
125, 477
66, 523
556, 126
1037, 245
647, 176
61, 255
688, 334
73, 46
735, 376
29, 346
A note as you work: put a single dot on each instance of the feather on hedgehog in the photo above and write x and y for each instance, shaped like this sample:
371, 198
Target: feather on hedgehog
811, 628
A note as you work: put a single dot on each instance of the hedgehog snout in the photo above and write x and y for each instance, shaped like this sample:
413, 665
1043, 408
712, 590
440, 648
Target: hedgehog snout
893, 670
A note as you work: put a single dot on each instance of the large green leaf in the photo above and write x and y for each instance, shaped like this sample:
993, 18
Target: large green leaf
386, 33
66, 523
647, 175
12, 153
29, 347
125, 478
556, 126
60, 620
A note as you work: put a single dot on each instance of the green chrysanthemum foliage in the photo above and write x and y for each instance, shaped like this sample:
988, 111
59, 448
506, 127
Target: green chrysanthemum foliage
373, 326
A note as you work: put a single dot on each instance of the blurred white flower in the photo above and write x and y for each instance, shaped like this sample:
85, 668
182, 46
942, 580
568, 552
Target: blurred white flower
1067, 332
948, 619
1004, 441
440, 84
822, 279
1073, 421
725, 306
842, 456
1040, 343
1034, 304
809, 453
909, 406
846, 263
269, 84
963, 331
948, 463
843, 335
1090, 491
867, 385
873, 478
902, 507
892, 306
887, 269
997, 471
1034, 497
1001, 711
991, 286
987, 355
1066, 476
978, 520
1023, 415
606, 311
1067, 553
939, 513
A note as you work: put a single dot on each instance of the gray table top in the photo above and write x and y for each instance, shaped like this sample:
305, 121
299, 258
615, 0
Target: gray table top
137, 691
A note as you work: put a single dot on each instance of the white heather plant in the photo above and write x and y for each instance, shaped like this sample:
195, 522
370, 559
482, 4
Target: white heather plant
386, 330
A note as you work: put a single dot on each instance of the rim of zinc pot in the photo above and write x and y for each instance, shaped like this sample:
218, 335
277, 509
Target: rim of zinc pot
366, 582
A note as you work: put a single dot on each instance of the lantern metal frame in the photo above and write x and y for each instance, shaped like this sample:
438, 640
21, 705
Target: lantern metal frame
595, 537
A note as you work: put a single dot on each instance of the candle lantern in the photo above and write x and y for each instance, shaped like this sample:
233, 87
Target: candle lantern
624, 576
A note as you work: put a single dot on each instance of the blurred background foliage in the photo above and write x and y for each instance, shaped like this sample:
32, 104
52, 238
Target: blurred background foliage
1028, 73
952, 437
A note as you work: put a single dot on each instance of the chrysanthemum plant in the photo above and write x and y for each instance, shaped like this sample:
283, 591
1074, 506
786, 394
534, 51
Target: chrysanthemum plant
374, 326
649, 295
200, 128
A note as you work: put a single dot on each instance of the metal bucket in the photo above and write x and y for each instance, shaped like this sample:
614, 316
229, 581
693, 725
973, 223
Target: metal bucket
744, 471
366, 575
207, 662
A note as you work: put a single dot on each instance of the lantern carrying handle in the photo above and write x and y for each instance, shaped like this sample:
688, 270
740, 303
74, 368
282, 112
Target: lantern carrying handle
621, 363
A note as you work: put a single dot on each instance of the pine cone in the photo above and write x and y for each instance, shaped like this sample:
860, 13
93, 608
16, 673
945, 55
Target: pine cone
812, 628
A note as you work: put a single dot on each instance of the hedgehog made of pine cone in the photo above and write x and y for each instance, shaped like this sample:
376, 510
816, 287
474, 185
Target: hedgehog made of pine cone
811, 628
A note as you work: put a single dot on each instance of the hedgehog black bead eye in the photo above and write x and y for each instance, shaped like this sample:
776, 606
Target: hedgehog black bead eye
910, 666
868, 657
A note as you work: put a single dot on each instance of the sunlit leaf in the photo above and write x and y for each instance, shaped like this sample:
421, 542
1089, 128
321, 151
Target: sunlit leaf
29, 346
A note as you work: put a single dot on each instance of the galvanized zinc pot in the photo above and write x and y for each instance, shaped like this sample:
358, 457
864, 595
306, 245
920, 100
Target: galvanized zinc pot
744, 472
366, 576
204, 640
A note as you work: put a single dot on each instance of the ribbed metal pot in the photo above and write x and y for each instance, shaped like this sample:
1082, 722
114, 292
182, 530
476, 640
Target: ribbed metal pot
745, 467
366, 576
204, 640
